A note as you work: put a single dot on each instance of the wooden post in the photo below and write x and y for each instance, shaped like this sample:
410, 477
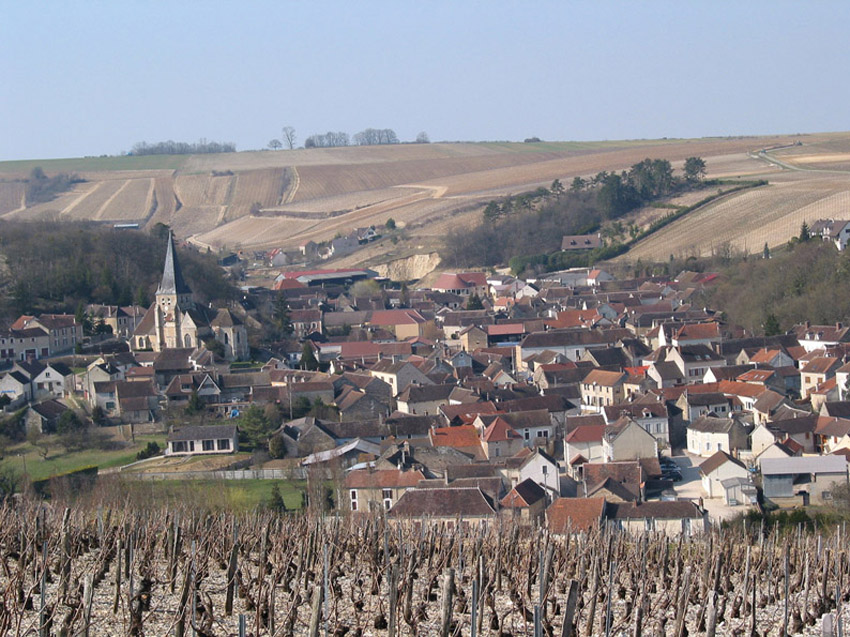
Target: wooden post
683, 604
316, 611
448, 590
116, 599
785, 614
473, 629
570, 610
393, 600
87, 601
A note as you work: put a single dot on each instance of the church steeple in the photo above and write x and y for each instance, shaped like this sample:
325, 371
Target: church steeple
173, 289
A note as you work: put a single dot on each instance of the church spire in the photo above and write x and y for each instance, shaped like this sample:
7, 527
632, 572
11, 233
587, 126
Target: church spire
172, 277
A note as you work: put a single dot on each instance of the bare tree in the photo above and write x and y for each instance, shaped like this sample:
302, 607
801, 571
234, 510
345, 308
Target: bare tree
275, 144
422, 138
289, 137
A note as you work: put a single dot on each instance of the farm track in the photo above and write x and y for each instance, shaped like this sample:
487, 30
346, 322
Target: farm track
99, 214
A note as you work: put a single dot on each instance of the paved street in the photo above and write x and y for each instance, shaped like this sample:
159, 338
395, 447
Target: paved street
690, 488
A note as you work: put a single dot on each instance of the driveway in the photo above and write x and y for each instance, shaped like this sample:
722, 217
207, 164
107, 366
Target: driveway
690, 488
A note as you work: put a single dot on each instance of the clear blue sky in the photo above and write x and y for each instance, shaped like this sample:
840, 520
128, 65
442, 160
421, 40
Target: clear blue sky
90, 78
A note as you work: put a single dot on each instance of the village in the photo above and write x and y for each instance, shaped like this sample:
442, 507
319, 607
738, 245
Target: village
570, 401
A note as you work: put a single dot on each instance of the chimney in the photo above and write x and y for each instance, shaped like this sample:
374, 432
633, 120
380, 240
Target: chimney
839, 326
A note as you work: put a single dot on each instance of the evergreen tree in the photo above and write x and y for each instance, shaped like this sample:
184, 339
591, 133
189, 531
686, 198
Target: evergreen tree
474, 302
276, 502
766, 251
804, 232
281, 317
308, 359
771, 325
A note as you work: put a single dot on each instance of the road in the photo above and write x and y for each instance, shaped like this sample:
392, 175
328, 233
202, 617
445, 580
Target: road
690, 488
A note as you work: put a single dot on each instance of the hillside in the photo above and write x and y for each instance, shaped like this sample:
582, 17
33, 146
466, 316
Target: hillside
266, 199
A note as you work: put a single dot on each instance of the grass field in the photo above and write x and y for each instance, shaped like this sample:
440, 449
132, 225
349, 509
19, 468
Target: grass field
59, 461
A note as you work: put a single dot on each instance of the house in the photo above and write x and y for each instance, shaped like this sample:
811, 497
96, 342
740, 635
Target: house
122, 320
204, 439
42, 417
463, 438
835, 230
652, 416
571, 343
343, 456
26, 344
542, 469
462, 283
815, 337
801, 430
16, 387
424, 399
719, 468
712, 433
499, 439
665, 374
525, 503
63, 331
581, 242
695, 405
600, 388
404, 323
536, 426
817, 371
618, 481
673, 518
377, 490
625, 439
571, 516
398, 374
449, 505
305, 321
802, 480
584, 444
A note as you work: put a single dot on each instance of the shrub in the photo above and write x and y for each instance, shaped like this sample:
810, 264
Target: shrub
148, 452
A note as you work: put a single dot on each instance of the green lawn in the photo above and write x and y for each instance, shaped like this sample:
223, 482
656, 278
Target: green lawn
59, 461
231, 495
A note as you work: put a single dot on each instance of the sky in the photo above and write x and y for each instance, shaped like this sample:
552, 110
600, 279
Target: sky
91, 78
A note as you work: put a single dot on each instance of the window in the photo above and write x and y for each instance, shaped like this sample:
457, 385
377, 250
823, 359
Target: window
545, 470
708, 446
354, 505
542, 433
387, 494
223, 444
208, 445
110, 405
179, 446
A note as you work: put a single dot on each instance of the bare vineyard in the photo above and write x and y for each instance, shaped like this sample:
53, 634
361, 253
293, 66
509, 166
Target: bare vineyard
125, 572
746, 221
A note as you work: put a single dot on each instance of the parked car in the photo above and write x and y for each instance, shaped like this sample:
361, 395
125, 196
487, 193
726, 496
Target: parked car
671, 474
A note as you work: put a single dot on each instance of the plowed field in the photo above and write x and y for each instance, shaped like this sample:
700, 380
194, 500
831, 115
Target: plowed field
432, 189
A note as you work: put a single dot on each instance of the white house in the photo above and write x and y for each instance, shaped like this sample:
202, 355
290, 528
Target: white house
719, 468
710, 433
204, 439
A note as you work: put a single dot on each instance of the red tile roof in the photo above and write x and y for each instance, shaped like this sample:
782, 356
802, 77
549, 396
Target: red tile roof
382, 479
567, 515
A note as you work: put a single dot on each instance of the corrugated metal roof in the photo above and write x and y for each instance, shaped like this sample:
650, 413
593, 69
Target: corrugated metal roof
803, 464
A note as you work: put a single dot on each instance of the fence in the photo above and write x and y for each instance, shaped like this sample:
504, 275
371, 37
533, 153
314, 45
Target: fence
295, 473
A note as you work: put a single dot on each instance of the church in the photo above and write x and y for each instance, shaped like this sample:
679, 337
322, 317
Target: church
176, 321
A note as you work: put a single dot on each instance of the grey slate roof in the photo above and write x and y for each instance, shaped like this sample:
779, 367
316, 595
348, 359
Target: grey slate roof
172, 276
203, 432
